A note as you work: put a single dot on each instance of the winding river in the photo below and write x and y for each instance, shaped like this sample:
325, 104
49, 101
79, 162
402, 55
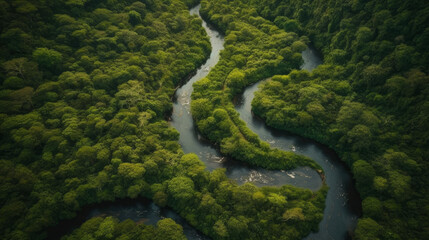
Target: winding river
342, 203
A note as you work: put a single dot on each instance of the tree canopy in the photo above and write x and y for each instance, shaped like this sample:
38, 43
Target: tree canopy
364, 102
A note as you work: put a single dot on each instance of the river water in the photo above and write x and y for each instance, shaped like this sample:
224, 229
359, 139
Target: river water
342, 203
192, 142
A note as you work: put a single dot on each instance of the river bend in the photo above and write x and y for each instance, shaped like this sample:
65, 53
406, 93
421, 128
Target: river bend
342, 202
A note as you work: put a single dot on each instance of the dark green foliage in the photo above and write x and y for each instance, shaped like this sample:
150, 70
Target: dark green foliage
83, 106
363, 102
47, 59
111, 228
85, 89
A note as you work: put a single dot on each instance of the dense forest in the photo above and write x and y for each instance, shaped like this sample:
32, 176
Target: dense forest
111, 228
86, 86
86, 90
368, 101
